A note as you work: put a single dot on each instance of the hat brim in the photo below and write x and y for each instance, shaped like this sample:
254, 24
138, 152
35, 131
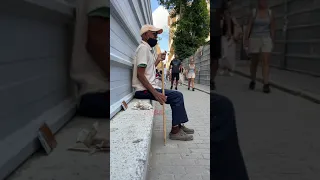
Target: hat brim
158, 30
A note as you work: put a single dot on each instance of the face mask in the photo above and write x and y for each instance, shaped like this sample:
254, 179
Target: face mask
152, 42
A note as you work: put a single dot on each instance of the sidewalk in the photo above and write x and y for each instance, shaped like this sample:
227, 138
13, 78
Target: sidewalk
200, 87
62, 164
180, 160
306, 86
278, 132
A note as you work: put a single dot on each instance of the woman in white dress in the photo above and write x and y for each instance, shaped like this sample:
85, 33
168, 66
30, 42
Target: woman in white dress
231, 34
181, 76
191, 74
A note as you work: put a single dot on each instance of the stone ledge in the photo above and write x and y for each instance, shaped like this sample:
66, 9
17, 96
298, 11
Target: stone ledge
130, 134
20, 145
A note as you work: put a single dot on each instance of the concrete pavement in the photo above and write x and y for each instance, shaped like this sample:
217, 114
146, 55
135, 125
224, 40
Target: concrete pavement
200, 87
278, 132
183, 160
299, 84
62, 164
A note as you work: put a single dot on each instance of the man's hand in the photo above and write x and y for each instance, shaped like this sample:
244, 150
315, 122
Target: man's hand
160, 97
162, 56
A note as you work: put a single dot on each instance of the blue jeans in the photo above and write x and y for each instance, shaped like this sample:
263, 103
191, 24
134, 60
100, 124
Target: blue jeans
95, 105
175, 99
227, 161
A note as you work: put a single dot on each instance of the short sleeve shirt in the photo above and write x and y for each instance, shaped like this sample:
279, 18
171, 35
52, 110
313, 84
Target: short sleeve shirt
144, 57
84, 71
176, 63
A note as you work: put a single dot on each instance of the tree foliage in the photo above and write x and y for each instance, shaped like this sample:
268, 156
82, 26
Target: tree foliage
174, 5
192, 28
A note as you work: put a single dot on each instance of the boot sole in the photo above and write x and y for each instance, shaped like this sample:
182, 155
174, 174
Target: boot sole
179, 139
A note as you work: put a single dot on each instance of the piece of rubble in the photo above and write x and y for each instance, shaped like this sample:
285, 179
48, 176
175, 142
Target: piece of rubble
88, 141
142, 106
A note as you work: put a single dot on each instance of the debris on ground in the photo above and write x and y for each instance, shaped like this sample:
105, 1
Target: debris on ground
88, 141
142, 106
47, 138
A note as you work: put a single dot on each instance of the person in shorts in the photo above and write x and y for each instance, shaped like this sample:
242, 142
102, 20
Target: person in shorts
175, 67
191, 75
259, 39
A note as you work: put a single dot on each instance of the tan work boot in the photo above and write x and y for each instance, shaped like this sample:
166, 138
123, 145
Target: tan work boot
181, 136
187, 130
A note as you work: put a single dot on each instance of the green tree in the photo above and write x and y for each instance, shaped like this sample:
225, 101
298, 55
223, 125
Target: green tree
192, 28
176, 5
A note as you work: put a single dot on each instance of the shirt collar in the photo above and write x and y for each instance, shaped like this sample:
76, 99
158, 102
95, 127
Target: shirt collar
145, 43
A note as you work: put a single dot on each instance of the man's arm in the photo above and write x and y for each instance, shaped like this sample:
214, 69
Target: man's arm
144, 81
272, 27
142, 61
228, 20
98, 38
249, 26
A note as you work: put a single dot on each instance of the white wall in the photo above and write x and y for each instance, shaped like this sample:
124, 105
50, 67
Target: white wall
35, 39
127, 17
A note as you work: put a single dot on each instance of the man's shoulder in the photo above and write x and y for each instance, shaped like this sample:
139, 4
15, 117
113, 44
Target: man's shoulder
142, 46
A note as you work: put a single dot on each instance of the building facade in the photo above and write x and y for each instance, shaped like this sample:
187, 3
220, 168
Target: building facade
126, 19
36, 43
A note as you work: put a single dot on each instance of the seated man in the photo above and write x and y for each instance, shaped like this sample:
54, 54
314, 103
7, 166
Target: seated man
90, 58
144, 82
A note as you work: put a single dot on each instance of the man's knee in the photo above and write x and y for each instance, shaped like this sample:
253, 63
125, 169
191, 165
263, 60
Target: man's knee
221, 101
223, 118
178, 97
226, 103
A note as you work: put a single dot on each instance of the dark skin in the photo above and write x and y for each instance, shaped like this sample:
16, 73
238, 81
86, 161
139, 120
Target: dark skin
98, 42
141, 71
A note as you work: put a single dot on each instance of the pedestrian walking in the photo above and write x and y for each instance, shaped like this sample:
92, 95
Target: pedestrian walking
144, 82
191, 75
175, 67
216, 13
259, 39
158, 78
165, 73
181, 75
231, 34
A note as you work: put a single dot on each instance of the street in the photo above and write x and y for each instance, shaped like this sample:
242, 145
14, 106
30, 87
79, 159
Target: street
278, 132
180, 160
